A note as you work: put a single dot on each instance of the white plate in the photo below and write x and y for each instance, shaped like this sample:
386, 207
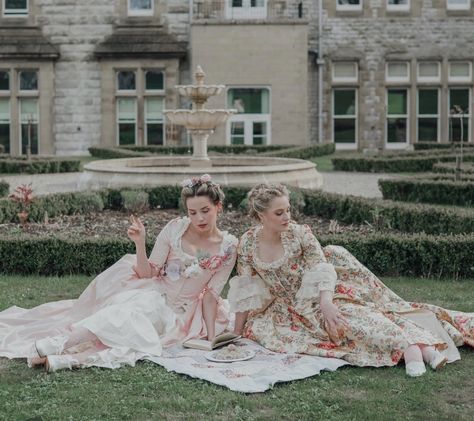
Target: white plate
210, 356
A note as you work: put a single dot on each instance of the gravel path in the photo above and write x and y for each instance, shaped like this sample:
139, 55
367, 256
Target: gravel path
358, 184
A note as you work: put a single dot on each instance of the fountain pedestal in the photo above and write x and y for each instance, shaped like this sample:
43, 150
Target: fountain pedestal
200, 159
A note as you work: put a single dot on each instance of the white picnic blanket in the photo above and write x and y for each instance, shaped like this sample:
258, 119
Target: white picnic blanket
255, 375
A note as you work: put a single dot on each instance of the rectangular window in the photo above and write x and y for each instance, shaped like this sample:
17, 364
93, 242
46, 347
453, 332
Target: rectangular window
344, 72
459, 114
5, 125
397, 72
154, 127
458, 4
246, 9
154, 80
398, 5
397, 116
15, 8
127, 121
345, 116
251, 126
428, 115
126, 81
429, 72
460, 72
140, 7
29, 125
4, 81
349, 5
28, 80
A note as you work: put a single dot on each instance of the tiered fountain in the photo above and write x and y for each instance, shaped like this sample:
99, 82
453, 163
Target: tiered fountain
226, 170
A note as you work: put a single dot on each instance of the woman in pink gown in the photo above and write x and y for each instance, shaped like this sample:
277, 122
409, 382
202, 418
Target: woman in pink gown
139, 305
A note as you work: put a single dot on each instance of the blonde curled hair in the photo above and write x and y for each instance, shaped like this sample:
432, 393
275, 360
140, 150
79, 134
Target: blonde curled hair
202, 187
261, 195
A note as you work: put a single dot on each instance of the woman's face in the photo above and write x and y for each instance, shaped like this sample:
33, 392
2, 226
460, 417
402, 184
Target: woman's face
203, 213
277, 216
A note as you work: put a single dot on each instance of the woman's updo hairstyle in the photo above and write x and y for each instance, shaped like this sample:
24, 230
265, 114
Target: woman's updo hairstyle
261, 195
201, 186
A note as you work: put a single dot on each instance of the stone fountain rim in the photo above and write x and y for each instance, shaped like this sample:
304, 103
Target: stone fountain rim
281, 165
212, 111
199, 86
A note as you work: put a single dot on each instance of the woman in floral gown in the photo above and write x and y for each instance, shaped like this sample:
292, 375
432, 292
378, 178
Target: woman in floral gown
139, 305
291, 295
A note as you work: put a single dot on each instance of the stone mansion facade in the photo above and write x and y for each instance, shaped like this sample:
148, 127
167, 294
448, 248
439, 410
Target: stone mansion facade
360, 73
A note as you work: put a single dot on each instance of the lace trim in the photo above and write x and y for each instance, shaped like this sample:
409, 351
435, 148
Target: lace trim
285, 242
246, 293
321, 277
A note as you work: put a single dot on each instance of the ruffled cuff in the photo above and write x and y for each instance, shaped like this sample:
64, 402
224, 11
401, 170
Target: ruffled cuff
321, 277
246, 293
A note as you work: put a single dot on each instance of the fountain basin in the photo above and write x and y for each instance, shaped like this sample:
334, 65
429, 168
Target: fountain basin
199, 93
225, 170
198, 119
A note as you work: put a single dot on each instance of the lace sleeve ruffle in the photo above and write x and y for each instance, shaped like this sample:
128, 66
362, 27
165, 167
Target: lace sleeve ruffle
321, 277
247, 293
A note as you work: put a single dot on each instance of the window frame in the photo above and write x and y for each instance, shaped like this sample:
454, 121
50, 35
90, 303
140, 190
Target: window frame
469, 115
354, 79
355, 117
161, 92
398, 7
246, 11
36, 122
140, 13
397, 79
25, 14
9, 121
125, 91
145, 120
397, 145
117, 118
437, 116
249, 118
349, 7
459, 79
428, 79
458, 7
28, 92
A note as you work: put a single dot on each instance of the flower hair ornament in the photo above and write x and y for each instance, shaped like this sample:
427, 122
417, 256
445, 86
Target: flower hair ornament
197, 181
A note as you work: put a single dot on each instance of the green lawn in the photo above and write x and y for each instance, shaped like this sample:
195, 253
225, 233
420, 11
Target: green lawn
149, 392
323, 163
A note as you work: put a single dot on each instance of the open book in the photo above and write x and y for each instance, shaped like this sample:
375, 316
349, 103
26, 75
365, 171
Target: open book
220, 340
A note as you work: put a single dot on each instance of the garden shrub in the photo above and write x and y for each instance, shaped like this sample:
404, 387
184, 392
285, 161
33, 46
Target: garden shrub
304, 152
384, 254
450, 167
4, 188
429, 190
135, 201
38, 165
395, 163
434, 145
113, 153
386, 214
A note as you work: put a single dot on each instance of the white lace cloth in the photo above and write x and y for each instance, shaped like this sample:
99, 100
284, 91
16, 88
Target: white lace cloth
255, 375
247, 293
322, 277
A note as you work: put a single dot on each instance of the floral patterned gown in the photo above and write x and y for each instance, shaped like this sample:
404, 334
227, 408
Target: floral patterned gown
132, 316
283, 300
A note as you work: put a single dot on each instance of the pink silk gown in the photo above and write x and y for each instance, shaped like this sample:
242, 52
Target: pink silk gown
131, 317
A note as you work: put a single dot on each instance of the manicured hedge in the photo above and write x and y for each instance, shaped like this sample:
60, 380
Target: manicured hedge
4, 188
112, 153
446, 167
429, 190
394, 163
286, 151
304, 152
385, 214
387, 254
38, 165
433, 145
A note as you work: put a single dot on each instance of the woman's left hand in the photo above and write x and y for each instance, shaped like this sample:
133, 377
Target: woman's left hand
334, 321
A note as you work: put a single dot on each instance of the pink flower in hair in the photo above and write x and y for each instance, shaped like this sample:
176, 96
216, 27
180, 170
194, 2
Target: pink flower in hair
205, 178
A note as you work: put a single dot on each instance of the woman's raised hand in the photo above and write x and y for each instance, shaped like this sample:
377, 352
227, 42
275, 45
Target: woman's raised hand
136, 231
335, 322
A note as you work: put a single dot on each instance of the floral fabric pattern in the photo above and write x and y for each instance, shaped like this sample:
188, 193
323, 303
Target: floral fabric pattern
380, 323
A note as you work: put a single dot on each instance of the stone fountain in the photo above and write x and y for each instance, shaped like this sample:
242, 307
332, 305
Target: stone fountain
200, 122
243, 170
